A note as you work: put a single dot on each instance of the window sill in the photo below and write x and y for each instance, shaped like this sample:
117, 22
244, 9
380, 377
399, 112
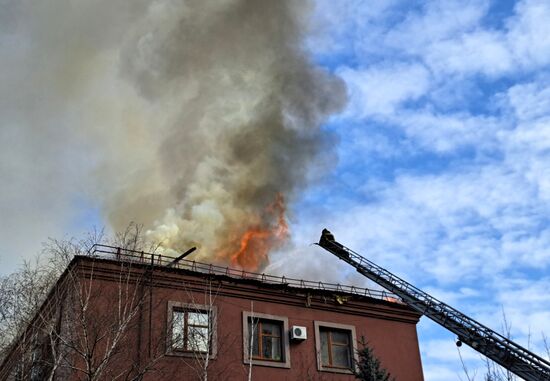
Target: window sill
189, 354
335, 370
272, 364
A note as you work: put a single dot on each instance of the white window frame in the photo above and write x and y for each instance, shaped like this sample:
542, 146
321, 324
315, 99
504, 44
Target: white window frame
192, 307
353, 337
285, 342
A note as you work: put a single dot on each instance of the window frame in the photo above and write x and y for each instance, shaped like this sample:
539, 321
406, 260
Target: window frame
319, 326
212, 312
284, 340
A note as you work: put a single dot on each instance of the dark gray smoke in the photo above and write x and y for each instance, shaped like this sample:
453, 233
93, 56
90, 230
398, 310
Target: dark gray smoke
201, 113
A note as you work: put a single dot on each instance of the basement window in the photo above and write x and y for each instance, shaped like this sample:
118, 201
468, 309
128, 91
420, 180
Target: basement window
265, 340
335, 347
191, 329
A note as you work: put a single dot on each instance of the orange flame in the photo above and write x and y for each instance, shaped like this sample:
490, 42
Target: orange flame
392, 299
253, 246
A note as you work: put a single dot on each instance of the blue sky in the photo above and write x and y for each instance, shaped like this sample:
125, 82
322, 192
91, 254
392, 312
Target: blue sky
443, 174
442, 164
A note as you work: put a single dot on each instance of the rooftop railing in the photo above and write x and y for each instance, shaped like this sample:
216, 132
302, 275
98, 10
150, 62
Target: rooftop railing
159, 260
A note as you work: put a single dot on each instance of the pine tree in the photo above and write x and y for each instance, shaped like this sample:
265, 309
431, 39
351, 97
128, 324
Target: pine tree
368, 367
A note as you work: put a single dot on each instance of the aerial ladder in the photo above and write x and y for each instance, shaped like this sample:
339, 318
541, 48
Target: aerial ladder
489, 343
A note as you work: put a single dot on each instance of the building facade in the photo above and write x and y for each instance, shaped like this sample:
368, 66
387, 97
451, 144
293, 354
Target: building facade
125, 315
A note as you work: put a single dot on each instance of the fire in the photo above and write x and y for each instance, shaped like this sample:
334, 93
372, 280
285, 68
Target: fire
254, 244
392, 299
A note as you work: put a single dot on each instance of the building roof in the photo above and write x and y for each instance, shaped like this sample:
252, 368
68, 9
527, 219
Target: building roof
167, 263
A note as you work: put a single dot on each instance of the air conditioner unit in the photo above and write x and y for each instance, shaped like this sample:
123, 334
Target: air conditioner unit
298, 333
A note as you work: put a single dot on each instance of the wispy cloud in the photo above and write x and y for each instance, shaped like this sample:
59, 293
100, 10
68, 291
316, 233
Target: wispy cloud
380, 90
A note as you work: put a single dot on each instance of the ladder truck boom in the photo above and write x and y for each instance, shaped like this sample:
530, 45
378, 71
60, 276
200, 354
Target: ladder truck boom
489, 343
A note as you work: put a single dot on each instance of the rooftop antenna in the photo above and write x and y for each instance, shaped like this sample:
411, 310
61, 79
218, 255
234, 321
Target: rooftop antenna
176, 260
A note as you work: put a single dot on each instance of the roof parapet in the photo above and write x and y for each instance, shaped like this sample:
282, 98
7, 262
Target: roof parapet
159, 260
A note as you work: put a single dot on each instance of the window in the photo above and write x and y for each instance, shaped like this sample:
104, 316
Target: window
40, 358
335, 344
265, 340
191, 329
335, 348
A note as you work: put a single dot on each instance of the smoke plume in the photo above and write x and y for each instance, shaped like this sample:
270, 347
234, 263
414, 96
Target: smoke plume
199, 119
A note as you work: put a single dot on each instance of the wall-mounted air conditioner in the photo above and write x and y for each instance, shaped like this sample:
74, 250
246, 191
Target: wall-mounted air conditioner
298, 333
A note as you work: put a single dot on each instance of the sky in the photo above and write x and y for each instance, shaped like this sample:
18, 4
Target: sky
440, 159
443, 173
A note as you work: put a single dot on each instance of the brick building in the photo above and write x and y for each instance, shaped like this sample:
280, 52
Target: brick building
119, 314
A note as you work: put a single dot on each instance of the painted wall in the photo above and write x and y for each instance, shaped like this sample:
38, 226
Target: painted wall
388, 327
